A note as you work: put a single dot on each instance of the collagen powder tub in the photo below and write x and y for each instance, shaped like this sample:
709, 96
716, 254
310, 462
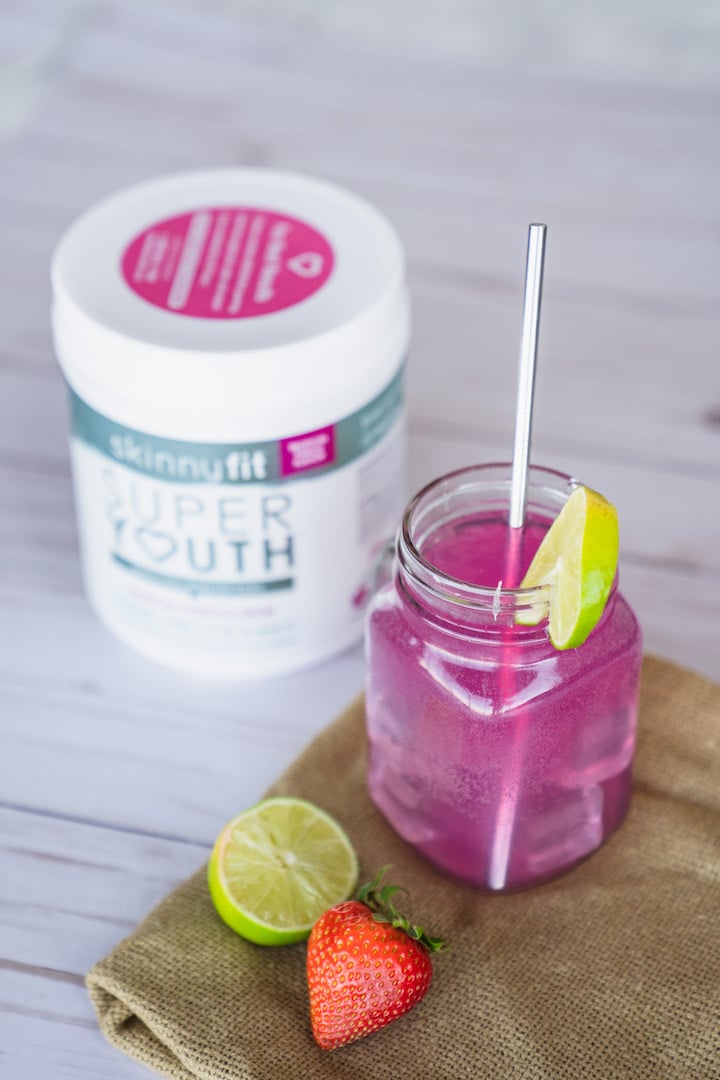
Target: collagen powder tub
233, 342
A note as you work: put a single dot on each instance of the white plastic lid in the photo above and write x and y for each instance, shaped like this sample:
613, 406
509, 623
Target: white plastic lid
234, 297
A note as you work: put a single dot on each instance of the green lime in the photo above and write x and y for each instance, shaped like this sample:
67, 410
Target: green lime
578, 559
277, 867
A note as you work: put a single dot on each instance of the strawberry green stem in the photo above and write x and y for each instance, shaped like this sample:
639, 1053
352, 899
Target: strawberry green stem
379, 898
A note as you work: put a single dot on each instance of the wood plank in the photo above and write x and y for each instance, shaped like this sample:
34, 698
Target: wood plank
72, 890
70, 893
612, 380
39, 1042
679, 614
160, 770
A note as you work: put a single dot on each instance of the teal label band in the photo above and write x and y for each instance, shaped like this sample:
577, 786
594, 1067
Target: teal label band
309, 453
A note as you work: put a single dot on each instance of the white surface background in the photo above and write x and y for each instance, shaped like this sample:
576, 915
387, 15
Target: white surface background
632, 40
463, 122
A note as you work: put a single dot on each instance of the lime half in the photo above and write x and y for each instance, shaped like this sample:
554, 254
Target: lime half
277, 867
578, 559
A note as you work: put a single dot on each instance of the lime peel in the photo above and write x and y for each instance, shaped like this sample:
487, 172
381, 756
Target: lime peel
578, 560
275, 868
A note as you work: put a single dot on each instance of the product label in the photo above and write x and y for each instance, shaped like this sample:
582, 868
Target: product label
228, 262
238, 553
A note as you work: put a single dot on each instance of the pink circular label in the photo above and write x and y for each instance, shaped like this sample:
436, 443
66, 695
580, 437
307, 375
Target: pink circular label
227, 262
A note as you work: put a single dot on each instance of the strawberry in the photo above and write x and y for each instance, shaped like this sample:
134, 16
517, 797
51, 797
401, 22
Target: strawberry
366, 966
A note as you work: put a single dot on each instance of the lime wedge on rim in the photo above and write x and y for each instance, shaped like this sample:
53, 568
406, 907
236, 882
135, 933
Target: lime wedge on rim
277, 867
578, 559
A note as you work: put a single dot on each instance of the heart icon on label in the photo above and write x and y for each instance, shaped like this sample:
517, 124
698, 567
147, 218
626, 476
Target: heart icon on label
308, 265
157, 546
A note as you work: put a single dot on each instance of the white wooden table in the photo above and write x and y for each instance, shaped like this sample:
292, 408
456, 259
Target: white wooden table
115, 774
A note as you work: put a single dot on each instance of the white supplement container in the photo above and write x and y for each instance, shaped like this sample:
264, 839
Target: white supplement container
234, 342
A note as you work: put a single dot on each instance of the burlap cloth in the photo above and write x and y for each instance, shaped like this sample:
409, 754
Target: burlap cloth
611, 971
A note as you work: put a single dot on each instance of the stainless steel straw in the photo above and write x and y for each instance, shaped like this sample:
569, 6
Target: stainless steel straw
526, 376
518, 500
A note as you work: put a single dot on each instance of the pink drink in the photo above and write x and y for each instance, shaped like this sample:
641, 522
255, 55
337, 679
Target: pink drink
500, 759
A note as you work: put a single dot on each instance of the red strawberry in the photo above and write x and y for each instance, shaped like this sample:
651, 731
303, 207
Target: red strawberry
366, 966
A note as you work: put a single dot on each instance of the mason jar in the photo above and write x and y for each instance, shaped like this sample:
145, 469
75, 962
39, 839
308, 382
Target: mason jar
502, 760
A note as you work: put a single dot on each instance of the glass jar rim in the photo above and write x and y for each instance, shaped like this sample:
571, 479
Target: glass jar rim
445, 586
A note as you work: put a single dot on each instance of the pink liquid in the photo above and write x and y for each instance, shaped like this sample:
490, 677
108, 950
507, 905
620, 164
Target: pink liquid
501, 760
